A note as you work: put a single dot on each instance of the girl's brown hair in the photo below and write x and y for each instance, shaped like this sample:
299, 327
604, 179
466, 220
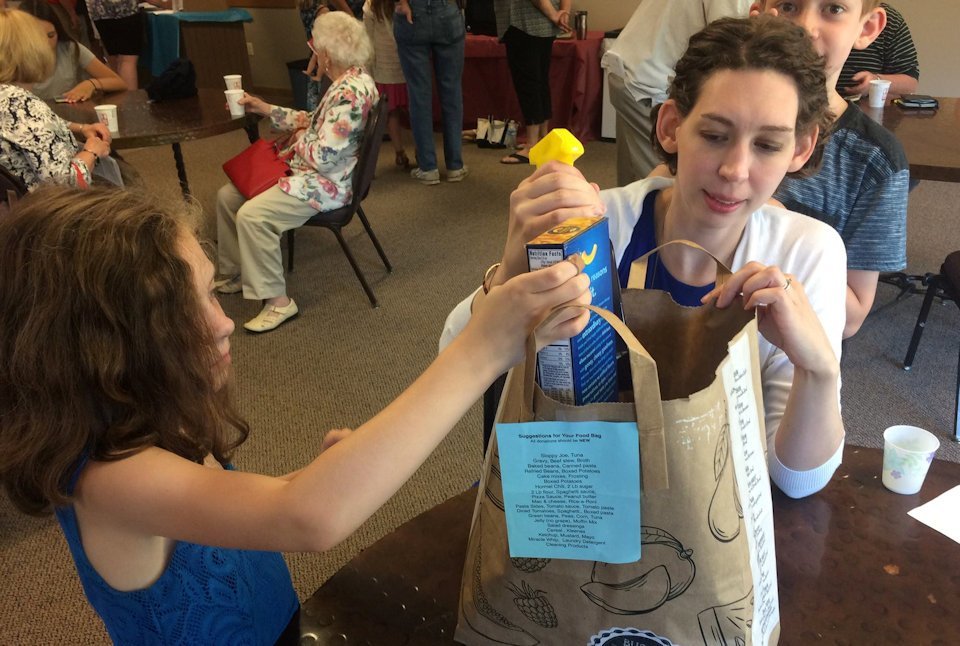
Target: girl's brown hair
40, 9
761, 43
103, 348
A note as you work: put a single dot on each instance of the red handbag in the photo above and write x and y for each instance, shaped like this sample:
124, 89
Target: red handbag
258, 167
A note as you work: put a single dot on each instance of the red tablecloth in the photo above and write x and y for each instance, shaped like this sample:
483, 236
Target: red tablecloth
575, 84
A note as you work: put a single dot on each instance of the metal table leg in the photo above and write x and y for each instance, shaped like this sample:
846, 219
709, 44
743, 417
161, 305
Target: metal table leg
181, 169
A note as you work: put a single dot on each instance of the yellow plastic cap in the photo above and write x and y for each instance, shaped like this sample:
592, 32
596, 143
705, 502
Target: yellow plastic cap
559, 144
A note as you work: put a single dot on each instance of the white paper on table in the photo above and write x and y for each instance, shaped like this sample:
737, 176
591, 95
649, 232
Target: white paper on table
941, 513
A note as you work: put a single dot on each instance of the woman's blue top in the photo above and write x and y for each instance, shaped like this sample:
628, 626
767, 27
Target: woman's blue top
644, 239
206, 595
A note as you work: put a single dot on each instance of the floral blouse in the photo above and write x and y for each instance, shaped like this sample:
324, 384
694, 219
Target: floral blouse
35, 144
326, 143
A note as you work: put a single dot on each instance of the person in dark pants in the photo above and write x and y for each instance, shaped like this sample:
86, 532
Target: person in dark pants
528, 30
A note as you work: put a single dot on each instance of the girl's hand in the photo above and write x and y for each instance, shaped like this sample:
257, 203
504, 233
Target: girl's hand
553, 193
254, 104
757, 8
82, 91
563, 20
501, 324
784, 315
96, 130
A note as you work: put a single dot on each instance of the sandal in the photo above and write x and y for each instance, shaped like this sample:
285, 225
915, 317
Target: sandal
515, 158
402, 161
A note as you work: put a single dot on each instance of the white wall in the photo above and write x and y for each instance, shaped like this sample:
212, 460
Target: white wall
934, 25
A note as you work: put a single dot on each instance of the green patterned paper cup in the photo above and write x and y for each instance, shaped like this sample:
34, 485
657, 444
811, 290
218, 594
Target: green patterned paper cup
907, 453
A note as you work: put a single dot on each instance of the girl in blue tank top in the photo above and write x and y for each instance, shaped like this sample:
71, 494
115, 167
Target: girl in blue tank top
115, 407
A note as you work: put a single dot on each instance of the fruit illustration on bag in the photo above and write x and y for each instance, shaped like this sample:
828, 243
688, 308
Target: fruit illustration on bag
727, 625
725, 512
487, 621
533, 605
529, 565
664, 573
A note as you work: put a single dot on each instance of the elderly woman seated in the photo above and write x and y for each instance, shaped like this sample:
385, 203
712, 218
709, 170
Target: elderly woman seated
325, 146
35, 144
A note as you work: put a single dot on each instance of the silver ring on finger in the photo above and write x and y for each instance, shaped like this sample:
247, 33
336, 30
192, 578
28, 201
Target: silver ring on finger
786, 285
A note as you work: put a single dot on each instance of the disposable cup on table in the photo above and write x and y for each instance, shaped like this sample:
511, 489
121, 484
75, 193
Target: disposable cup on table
233, 97
233, 81
878, 92
107, 115
907, 453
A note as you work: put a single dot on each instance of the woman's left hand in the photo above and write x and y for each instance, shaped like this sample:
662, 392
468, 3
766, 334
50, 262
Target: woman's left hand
98, 129
784, 315
563, 20
82, 91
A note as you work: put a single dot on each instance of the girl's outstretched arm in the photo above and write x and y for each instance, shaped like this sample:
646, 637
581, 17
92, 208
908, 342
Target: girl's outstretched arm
158, 494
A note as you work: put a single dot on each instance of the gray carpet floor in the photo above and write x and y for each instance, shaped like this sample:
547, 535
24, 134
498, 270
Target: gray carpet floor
341, 361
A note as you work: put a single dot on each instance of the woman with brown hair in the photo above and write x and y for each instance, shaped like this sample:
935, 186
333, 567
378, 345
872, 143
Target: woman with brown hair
746, 108
35, 144
78, 74
114, 394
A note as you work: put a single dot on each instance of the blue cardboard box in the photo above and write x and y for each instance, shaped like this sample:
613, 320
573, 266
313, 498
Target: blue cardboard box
583, 369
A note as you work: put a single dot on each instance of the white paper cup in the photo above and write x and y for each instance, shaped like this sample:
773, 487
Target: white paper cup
907, 453
233, 81
107, 115
236, 110
878, 92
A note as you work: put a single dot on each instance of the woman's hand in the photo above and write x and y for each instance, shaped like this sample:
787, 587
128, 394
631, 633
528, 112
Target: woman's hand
96, 130
784, 315
312, 66
254, 104
97, 146
500, 325
553, 193
82, 91
403, 8
563, 20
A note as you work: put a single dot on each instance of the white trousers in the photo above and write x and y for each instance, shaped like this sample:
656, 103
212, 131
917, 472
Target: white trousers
635, 154
248, 237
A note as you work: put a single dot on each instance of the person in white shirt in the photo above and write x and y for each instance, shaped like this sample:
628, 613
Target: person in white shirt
745, 109
640, 65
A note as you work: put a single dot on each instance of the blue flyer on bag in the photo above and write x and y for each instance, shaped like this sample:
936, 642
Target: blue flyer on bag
571, 490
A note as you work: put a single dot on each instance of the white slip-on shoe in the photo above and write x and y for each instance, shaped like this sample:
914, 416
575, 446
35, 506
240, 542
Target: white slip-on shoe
271, 316
232, 285
457, 175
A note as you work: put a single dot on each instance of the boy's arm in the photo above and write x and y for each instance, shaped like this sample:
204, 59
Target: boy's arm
861, 290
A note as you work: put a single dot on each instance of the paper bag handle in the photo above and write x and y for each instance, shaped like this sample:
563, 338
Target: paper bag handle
653, 450
638, 268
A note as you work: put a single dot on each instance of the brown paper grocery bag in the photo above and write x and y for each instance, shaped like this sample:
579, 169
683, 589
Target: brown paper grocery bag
698, 574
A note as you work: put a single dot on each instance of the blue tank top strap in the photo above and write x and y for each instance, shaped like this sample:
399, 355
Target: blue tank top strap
643, 239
